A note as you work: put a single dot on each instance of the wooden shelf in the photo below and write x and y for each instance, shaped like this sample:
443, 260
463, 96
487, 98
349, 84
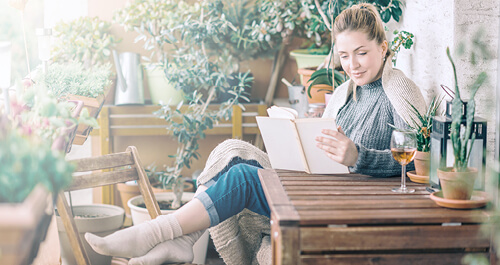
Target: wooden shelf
140, 121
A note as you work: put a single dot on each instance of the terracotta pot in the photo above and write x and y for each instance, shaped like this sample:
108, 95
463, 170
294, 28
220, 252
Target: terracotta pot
23, 226
457, 185
316, 95
422, 163
127, 191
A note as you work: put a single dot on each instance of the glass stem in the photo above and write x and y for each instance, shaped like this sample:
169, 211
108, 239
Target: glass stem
403, 177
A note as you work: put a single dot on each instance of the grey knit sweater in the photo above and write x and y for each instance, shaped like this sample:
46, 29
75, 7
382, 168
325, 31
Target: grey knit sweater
364, 121
364, 112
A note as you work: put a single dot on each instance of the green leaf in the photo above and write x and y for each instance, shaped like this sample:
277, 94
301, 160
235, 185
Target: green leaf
385, 15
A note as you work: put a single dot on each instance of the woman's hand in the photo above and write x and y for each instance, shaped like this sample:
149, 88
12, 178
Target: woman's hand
340, 149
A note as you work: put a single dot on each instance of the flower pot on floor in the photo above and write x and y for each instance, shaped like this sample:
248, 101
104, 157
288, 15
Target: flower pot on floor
422, 163
131, 189
160, 88
457, 185
140, 214
127, 191
99, 219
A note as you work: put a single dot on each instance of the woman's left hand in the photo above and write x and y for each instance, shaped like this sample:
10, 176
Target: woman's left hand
339, 148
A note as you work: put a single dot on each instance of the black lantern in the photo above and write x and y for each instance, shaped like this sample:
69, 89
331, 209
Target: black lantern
442, 149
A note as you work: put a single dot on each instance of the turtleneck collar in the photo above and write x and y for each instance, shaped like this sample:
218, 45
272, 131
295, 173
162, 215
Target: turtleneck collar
374, 84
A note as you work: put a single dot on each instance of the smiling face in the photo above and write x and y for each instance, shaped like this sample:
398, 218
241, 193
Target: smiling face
362, 59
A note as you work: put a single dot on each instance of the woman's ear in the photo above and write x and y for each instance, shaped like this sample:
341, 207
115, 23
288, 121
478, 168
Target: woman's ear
385, 47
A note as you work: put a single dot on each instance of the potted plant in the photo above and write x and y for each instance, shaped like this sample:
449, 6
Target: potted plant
87, 40
152, 20
207, 43
320, 83
457, 182
423, 128
99, 219
72, 81
29, 171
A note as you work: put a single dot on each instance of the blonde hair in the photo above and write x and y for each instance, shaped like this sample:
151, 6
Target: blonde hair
364, 18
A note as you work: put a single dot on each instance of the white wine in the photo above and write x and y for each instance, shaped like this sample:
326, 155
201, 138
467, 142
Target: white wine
403, 155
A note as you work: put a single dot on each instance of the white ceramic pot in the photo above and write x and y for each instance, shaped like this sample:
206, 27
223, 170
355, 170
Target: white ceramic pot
99, 219
140, 214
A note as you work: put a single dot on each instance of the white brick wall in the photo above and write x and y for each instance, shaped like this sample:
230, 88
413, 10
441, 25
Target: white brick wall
438, 24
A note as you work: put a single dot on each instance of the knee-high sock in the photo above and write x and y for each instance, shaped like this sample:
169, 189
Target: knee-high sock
178, 250
136, 240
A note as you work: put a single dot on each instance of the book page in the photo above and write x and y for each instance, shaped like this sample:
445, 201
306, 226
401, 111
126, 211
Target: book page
317, 160
282, 143
282, 112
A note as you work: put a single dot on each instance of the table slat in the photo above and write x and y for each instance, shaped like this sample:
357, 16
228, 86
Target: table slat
391, 216
371, 204
391, 238
386, 259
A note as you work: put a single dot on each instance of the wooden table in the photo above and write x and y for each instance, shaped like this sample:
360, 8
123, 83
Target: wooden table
357, 219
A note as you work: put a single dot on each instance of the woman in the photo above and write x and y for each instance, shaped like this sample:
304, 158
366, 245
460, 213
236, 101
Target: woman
231, 200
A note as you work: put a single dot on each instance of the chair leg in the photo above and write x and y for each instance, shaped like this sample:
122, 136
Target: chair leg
70, 227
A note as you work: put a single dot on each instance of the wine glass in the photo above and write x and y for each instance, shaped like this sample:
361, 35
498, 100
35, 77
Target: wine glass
403, 148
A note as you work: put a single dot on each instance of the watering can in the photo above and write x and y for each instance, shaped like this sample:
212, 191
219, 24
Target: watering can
297, 97
129, 84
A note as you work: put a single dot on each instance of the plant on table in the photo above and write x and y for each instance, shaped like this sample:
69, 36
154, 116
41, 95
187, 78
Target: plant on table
423, 128
457, 182
461, 135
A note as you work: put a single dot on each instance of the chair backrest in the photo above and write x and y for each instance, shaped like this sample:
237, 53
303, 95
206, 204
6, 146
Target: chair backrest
101, 171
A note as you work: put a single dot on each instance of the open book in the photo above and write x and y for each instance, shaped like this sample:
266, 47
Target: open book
290, 142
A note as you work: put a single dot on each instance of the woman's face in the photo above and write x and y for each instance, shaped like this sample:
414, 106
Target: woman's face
361, 59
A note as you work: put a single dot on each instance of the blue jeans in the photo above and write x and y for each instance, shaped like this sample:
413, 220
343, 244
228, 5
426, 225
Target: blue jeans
233, 189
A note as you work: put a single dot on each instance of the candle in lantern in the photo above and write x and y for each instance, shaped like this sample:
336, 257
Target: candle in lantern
44, 35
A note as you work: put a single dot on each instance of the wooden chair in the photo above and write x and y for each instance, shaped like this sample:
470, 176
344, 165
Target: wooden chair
100, 171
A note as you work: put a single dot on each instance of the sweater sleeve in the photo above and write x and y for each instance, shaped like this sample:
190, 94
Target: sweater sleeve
380, 163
